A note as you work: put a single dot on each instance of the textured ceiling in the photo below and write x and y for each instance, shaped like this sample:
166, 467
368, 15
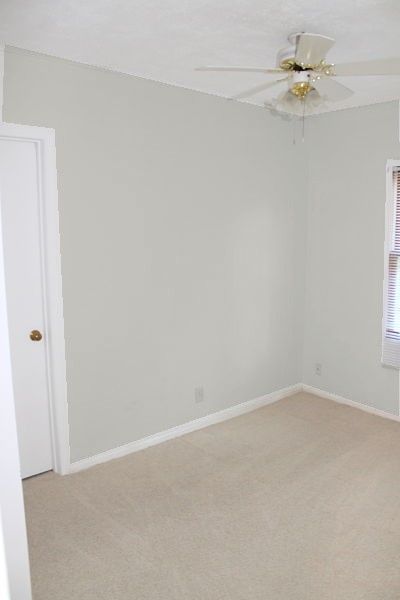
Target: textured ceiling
165, 40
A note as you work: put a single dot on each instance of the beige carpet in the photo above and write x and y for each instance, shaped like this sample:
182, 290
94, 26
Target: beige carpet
299, 500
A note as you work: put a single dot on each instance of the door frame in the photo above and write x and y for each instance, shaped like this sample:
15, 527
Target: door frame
44, 140
15, 581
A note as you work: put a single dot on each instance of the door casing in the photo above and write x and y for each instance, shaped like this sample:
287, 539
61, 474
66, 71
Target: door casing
44, 139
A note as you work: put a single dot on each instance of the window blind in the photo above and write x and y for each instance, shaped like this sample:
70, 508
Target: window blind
391, 322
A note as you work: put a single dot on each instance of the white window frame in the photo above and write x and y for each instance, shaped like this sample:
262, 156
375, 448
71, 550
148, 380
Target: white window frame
390, 346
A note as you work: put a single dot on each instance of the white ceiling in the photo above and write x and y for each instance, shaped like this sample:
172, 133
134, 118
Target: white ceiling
165, 40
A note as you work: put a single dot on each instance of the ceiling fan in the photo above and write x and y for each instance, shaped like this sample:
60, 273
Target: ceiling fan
308, 77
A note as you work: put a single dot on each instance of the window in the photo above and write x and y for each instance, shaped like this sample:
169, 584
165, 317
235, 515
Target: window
391, 317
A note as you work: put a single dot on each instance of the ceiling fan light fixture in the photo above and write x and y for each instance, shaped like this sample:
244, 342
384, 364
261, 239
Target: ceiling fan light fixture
288, 103
301, 89
300, 84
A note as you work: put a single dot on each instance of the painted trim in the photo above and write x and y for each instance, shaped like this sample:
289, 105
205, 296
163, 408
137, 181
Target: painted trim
390, 347
219, 417
389, 212
4, 583
178, 431
13, 538
1, 80
310, 389
44, 139
15, 581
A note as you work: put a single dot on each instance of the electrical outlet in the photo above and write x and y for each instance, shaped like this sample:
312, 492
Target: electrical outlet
318, 368
198, 394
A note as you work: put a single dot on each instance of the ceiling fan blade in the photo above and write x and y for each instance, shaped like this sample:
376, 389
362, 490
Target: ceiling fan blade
258, 88
241, 69
287, 98
292, 105
331, 89
289, 103
311, 48
381, 66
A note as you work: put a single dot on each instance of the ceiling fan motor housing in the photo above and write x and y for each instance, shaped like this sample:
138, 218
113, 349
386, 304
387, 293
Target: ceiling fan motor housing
286, 57
300, 77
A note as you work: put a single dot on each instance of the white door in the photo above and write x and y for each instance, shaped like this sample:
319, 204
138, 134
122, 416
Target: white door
19, 196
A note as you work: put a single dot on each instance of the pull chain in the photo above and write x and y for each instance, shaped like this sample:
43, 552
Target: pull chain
304, 119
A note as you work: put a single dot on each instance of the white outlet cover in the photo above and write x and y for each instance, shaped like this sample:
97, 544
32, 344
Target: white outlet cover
198, 394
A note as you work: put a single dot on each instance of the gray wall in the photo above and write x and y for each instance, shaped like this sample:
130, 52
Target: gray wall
348, 151
182, 235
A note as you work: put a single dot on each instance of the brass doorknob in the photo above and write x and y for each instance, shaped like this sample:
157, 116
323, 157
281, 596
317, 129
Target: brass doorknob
35, 335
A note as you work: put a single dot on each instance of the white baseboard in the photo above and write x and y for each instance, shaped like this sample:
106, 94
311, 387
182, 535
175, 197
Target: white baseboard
341, 400
218, 417
174, 432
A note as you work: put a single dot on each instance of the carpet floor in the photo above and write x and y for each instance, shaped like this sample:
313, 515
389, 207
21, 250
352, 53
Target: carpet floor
299, 500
